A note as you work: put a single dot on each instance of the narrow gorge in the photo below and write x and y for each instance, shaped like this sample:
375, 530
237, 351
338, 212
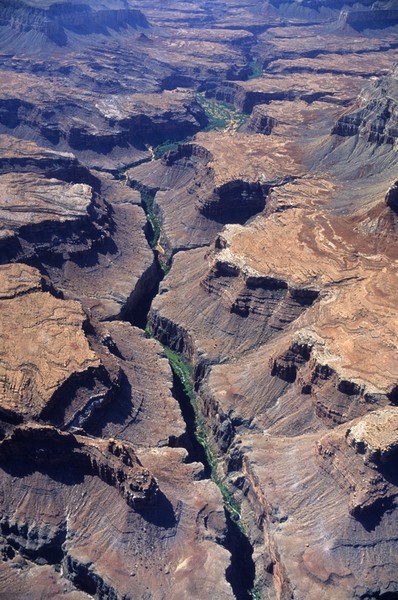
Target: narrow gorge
198, 277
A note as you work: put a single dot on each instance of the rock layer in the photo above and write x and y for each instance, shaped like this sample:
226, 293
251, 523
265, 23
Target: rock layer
280, 241
33, 369
113, 462
377, 116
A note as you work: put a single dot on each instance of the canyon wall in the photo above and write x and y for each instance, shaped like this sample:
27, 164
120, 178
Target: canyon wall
198, 277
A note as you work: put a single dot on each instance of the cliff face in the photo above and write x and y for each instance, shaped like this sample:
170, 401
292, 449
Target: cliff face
49, 204
376, 119
261, 247
392, 197
362, 19
58, 400
113, 462
55, 20
102, 129
260, 122
274, 317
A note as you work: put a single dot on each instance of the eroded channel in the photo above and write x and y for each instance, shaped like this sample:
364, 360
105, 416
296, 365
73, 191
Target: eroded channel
241, 572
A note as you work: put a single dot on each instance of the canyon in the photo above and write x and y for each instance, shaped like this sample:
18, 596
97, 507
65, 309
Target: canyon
198, 278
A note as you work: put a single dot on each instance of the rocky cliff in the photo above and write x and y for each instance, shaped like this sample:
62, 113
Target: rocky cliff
57, 19
107, 132
67, 379
198, 267
376, 119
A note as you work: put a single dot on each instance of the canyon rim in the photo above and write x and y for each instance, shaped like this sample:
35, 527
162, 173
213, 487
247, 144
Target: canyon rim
198, 283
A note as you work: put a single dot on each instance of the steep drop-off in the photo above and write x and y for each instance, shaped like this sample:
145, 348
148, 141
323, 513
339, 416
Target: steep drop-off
272, 272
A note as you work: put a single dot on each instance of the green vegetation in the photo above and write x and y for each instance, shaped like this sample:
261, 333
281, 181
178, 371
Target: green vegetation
148, 333
147, 203
183, 370
164, 265
255, 593
256, 69
167, 146
220, 114
155, 231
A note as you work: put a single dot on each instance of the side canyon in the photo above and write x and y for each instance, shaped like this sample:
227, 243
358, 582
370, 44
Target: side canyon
198, 317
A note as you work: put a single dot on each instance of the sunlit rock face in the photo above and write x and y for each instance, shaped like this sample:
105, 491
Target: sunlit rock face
376, 119
219, 178
55, 21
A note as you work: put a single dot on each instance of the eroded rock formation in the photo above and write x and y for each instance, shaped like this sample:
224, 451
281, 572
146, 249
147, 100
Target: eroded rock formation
39, 446
377, 116
89, 381
273, 272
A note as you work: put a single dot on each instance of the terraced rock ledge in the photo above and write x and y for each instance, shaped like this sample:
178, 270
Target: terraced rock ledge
198, 321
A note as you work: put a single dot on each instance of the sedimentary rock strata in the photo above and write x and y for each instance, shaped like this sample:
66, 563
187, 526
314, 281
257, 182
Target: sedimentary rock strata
33, 369
49, 203
298, 86
376, 117
107, 131
72, 477
46, 447
198, 188
291, 323
260, 141
145, 413
361, 460
260, 121
27, 200
116, 275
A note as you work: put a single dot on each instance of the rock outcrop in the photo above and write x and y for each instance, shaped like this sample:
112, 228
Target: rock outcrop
96, 382
56, 212
260, 121
376, 119
45, 209
272, 270
102, 130
245, 95
392, 197
361, 459
44, 447
364, 19
199, 187
56, 20
291, 328
32, 369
